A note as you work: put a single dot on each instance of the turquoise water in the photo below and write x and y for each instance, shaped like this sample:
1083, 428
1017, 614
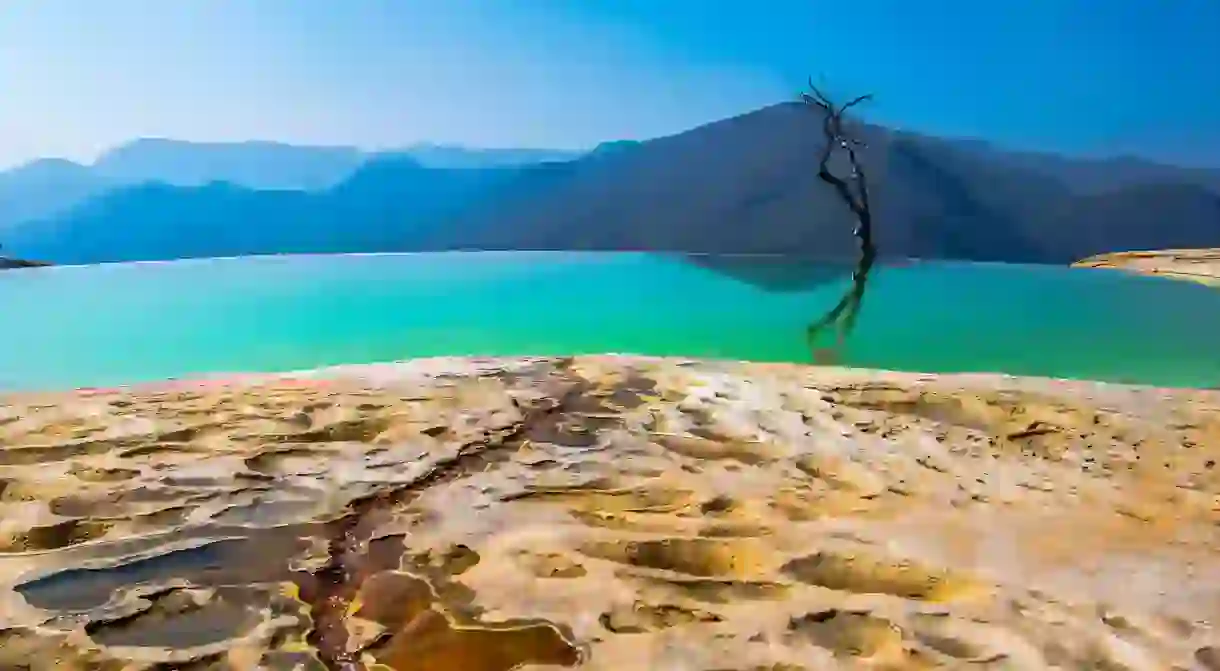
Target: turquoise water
123, 323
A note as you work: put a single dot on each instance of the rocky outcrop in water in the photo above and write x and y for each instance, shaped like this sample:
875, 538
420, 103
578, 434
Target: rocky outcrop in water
610, 513
1196, 265
8, 263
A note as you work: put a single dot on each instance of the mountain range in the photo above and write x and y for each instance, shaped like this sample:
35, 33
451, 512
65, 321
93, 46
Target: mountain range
46, 188
747, 184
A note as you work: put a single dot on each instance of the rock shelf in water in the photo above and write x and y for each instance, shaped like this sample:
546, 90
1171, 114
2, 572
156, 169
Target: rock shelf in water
1195, 265
610, 513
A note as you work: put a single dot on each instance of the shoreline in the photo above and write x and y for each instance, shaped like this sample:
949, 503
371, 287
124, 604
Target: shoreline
406, 370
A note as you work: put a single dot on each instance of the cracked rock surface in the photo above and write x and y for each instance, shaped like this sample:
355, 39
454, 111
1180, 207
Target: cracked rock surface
611, 513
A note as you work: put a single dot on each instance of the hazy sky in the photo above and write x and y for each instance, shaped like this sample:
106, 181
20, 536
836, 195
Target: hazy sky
1110, 76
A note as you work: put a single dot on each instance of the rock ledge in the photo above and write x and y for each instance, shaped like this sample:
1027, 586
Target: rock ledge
610, 513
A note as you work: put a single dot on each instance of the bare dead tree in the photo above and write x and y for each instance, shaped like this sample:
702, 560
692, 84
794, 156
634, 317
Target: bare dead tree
853, 191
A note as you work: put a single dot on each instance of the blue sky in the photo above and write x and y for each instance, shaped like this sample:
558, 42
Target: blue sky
1080, 76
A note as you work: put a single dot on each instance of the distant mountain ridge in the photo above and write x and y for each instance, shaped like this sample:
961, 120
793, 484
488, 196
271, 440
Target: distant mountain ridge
746, 184
49, 187
453, 156
1098, 175
45, 188
252, 164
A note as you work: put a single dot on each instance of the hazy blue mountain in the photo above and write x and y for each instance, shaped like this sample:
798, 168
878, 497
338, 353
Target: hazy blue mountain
156, 220
614, 146
275, 165
49, 187
1157, 215
386, 203
745, 184
453, 156
45, 188
254, 164
1098, 175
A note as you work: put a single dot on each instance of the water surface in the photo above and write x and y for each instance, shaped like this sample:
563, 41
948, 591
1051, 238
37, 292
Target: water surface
123, 323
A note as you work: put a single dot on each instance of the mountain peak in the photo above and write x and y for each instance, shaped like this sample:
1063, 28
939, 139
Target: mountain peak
259, 164
43, 166
166, 143
440, 155
614, 146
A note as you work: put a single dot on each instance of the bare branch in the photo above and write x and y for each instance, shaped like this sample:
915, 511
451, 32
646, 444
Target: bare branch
853, 191
864, 98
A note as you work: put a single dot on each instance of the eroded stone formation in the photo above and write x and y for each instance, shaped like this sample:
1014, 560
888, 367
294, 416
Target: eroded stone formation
611, 513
